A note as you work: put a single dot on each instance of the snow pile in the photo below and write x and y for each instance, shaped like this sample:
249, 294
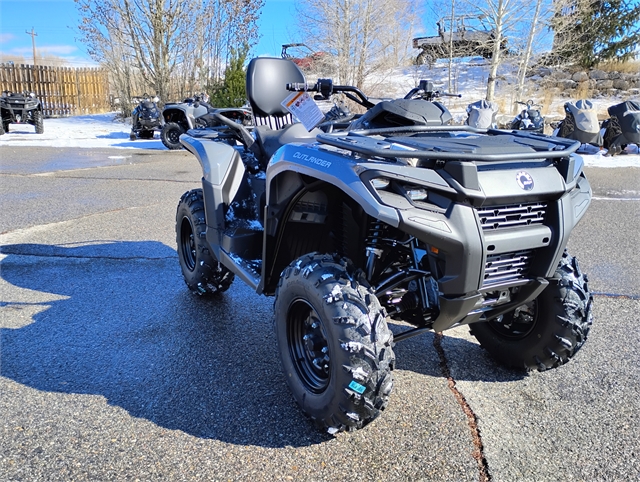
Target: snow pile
104, 130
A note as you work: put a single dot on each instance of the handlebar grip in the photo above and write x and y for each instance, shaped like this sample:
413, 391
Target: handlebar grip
302, 86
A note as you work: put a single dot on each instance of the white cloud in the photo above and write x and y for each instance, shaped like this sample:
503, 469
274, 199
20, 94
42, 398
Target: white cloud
58, 49
6, 37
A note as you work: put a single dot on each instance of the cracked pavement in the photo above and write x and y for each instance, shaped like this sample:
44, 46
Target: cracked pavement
111, 370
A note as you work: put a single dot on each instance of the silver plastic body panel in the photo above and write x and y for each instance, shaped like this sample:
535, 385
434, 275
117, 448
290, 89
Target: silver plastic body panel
342, 172
223, 171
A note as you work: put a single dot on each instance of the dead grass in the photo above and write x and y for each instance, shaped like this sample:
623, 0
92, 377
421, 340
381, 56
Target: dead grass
629, 67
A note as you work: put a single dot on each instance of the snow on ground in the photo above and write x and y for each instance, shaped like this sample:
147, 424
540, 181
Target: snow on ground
85, 131
104, 130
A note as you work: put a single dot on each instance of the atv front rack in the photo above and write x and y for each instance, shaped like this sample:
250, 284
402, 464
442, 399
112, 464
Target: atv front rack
451, 143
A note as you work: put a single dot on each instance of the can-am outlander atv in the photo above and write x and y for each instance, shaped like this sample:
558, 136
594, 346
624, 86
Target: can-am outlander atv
529, 119
622, 127
24, 108
194, 112
146, 118
580, 123
402, 217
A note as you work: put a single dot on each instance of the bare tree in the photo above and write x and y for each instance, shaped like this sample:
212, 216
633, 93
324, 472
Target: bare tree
502, 16
362, 36
174, 46
534, 27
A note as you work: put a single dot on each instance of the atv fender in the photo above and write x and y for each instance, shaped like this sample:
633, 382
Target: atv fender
223, 171
180, 115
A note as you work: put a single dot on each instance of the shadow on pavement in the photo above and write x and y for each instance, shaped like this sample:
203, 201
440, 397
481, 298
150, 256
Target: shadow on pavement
128, 329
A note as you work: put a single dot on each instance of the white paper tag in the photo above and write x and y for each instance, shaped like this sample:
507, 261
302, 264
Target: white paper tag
303, 108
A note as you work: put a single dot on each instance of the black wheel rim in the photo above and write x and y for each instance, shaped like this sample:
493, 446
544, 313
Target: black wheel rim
308, 346
517, 324
188, 244
174, 136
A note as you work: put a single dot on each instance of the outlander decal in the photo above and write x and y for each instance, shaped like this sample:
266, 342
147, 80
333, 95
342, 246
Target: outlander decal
313, 160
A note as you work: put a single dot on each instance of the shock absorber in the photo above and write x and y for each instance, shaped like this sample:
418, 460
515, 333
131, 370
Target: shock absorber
372, 246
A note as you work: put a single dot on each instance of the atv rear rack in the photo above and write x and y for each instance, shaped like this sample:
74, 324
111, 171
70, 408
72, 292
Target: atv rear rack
451, 143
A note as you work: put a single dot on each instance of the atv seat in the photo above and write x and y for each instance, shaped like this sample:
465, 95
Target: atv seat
267, 78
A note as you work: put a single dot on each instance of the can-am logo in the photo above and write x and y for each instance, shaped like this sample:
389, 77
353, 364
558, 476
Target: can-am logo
525, 181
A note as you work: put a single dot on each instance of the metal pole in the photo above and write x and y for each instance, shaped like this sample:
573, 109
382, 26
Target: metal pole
33, 42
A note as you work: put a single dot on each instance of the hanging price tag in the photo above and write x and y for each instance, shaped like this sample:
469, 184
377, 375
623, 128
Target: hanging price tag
303, 108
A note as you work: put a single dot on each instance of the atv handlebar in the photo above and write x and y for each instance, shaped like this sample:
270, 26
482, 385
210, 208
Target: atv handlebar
326, 88
425, 91
528, 103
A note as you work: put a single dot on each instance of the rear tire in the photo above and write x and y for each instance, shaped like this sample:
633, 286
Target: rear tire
170, 135
546, 332
201, 271
38, 121
334, 343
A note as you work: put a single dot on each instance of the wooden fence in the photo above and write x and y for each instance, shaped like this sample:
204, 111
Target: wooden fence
63, 91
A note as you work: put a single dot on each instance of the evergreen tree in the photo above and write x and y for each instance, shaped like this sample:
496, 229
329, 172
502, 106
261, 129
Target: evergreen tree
232, 91
591, 31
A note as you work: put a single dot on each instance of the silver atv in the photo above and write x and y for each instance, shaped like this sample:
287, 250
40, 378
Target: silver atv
194, 112
399, 216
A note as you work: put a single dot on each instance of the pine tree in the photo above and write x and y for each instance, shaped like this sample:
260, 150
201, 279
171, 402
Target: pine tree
232, 92
592, 31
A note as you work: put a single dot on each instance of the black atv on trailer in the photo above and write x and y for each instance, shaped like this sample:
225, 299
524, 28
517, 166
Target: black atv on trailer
22, 108
400, 216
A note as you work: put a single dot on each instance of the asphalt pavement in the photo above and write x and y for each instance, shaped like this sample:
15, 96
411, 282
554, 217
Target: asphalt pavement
110, 369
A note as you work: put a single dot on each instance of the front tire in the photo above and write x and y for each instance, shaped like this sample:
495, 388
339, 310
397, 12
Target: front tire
546, 332
170, 135
334, 343
38, 121
201, 271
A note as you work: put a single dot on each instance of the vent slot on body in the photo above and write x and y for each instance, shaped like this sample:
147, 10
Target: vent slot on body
507, 267
512, 216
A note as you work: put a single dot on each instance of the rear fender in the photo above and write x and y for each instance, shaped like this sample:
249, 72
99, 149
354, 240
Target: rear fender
178, 115
222, 174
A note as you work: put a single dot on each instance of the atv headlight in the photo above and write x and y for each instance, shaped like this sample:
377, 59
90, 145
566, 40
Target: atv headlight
380, 183
416, 193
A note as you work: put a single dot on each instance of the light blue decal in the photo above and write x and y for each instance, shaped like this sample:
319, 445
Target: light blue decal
356, 387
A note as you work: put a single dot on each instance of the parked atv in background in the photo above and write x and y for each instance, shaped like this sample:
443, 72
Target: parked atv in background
195, 113
179, 117
399, 217
580, 123
529, 119
482, 114
146, 118
622, 127
22, 108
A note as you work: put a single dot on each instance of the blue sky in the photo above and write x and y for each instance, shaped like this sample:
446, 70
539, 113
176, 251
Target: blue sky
55, 23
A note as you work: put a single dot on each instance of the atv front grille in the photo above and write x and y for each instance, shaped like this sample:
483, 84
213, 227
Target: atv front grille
512, 216
506, 267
